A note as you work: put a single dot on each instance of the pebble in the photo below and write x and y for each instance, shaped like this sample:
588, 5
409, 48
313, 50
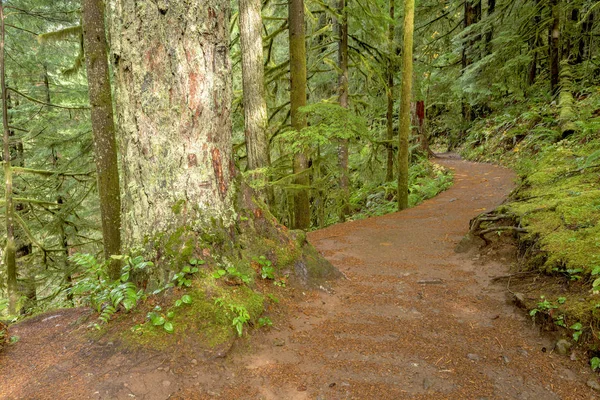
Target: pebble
523, 352
505, 359
592, 383
279, 342
166, 383
194, 361
427, 383
473, 357
563, 346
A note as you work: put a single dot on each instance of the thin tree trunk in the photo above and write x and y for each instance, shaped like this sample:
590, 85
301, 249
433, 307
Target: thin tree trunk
253, 81
95, 45
10, 259
584, 39
534, 45
343, 98
470, 16
405, 97
554, 46
489, 35
389, 175
298, 99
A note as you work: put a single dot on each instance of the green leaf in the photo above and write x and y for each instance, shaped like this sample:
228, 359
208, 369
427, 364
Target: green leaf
156, 319
187, 299
168, 326
170, 314
577, 326
178, 303
595, 362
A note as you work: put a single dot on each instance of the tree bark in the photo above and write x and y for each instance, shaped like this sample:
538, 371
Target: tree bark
583, 48
534, 44
96, 47
10, 258
343, 99
253, 82
298, 99
554, 46
489, 35
389, 175
173, 98
405, 97
182, 197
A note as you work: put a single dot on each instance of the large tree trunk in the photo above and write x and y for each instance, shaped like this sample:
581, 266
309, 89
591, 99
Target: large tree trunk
96, 47
405, 97
389, 174
343, 98
253, 81
181, 197
173, 100
298, 99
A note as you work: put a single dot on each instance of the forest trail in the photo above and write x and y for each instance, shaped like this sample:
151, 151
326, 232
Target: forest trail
414, 320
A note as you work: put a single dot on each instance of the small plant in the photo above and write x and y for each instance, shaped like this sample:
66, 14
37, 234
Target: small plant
281, 282
266, 267
560, 321
232, 273
159, 319
543, 305
240, 314
578, 330
185, 299
183, 277
264, 321
595, 363
596, 283
105, 295
574, 274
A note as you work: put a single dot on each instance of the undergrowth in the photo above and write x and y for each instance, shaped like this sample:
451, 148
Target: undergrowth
557, 203
426, 180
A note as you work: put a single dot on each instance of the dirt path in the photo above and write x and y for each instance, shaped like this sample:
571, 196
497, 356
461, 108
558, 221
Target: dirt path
414, 320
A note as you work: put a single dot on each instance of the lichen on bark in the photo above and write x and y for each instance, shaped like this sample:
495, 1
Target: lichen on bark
182, 196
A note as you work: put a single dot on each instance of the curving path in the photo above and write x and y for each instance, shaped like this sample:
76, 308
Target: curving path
414, 320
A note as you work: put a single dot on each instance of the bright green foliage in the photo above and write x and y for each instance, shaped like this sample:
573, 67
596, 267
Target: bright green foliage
106, 296
267, 271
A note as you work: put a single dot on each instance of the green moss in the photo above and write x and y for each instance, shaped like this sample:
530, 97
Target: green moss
178, 207
204, 322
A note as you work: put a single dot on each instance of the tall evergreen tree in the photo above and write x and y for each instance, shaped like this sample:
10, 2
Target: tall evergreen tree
297, 40
255, 105
96, 50
405, 97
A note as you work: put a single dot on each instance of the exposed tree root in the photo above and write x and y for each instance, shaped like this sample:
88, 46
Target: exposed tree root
491, 217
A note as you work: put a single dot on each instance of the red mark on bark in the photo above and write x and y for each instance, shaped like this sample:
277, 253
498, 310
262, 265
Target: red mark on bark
232, 171
192, 160
258, 213
218, 167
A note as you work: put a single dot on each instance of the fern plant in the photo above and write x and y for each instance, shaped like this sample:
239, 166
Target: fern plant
106, 296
